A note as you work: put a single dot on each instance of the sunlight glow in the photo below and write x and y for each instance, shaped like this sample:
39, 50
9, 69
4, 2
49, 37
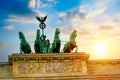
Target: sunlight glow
100, 49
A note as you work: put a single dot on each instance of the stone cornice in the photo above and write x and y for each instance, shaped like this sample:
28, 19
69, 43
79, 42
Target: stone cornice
106, 61
48, 57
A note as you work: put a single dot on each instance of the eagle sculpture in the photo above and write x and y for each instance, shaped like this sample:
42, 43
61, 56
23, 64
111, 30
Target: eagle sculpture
41, 19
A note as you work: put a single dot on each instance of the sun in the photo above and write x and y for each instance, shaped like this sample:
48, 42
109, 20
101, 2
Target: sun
100, 48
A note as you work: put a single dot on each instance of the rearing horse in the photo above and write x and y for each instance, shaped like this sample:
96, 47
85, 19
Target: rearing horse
37, 43
24, 45
71, 44
56, 43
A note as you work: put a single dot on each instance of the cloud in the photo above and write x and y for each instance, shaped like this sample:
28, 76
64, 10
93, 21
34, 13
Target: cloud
21, 19
98, 8
14, 7
2, 45
66, 29
86, 32
25, 19
117, 18
105, 28
87, 21
9, 27
73, 15
32, 3
23, 11
31, 33
82, 13
38, 4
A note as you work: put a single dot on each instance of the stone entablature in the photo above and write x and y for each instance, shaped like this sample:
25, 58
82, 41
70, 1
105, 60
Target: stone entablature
107, 61
48, 57
74, 66
47, 65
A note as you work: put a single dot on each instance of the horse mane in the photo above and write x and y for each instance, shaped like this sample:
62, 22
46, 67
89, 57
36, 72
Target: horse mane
73, 35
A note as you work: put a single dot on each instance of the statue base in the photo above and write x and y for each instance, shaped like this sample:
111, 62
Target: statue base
49, 66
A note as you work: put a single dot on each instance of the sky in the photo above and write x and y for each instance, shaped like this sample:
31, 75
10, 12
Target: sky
97, 23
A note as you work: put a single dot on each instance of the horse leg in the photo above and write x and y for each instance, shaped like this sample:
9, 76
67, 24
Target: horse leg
76, 49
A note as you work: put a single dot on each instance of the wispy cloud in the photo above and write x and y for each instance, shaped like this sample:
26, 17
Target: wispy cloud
38, 4
32, 3
73, 15
117, 18
25, 19
31, 33
14, 7
9, 27
98, 8
21, 19
83, 14
105, 28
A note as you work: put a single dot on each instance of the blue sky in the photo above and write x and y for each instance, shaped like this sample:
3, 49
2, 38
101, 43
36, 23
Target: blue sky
97, 21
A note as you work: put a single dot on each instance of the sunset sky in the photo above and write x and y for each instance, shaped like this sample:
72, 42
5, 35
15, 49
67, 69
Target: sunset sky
97, 23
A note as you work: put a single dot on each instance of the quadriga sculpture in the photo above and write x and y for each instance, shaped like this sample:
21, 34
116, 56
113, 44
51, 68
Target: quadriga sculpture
24, 45
37, 43
56, 43
71, 44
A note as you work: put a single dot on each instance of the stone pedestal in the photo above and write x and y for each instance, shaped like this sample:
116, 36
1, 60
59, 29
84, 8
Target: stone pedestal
49, 66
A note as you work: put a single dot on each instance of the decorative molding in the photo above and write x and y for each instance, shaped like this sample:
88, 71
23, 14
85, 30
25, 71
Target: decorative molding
104, 62
48, 57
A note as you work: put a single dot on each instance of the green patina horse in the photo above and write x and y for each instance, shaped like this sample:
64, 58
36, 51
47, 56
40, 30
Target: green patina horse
56, 43
24, 45
71, 44
37, 43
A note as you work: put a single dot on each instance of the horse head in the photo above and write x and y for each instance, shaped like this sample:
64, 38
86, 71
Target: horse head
73, 35
56, 43
57, 32
21, 35
38, 34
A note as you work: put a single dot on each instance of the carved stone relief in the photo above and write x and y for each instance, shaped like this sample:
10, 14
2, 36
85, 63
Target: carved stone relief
25, 68
49, 67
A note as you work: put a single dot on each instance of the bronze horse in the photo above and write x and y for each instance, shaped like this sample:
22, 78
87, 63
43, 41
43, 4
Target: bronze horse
24, 45
71, 44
